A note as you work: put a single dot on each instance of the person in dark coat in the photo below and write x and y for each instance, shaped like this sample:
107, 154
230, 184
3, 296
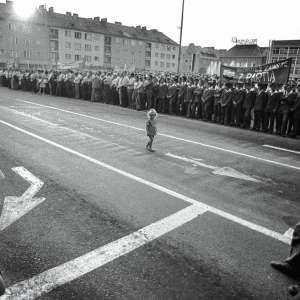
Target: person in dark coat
248, 104
259, 107
180, 105
271, 108
208, 102
237, 105
172, 97
196, 106
226, 104
295, 116
286, 103
162, 96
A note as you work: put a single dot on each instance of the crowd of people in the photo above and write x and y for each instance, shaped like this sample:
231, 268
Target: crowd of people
272, 108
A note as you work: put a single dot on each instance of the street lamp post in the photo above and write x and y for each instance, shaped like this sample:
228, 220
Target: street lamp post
180, 41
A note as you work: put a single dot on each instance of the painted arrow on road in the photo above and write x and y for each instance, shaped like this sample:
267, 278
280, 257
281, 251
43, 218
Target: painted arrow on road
224, 171
16, 207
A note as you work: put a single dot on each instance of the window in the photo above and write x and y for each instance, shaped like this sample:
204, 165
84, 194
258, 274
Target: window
77, 57
26, 42
141, 43
173, 56
133, 43
107, 59
162, 64
162, 55
148, 53
67, 56
96, 37
107, 49
88, 47
27, 54
275, 51
168, 65
156, 54
148, 45
173, 65
156, 63
168, 56
156, 46
68, 45
16, 40
77, 35
283, 50
293, 51
88, 36
10, 26
54, 34
168, 48
53, 45
96, 58
107, 40
147, 63
77, 46
1, 51
174, 48
97, 48
88, 58
118, 40
68, 33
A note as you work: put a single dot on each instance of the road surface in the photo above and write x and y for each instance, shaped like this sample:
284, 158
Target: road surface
89, 213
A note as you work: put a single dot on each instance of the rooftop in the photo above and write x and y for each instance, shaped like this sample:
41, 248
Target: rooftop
286, 43
245, 51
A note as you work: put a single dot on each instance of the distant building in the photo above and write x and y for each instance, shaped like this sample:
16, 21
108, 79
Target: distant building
50, 39
245, 56
197, 59
282, 49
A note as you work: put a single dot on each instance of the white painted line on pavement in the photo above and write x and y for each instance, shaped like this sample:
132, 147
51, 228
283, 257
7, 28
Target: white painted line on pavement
282, 149
289, 233
48, 280
168, 136
160, 188
16, 207
2, 176
223, 171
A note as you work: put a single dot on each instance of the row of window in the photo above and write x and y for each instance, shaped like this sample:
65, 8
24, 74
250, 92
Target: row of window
24, 54
78, 57
163, 55
286, 50
78, 46
165, 47
162, 64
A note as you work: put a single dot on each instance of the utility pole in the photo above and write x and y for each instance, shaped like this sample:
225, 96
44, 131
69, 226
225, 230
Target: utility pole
181, 26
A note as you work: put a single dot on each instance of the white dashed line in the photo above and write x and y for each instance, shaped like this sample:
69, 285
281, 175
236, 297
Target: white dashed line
282, 149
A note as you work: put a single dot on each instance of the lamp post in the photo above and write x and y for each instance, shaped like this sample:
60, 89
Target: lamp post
180, 40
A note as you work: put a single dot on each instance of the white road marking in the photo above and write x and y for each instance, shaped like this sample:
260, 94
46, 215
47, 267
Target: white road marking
48, 280
160, 188
16, 207
168, 136
224, 171
289, 233
282, 149
2, 176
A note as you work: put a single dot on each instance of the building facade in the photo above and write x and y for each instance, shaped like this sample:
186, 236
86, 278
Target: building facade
283, 49
245, 56
67, 40
197, 59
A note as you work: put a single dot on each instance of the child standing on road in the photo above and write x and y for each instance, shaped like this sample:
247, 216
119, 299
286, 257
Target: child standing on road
151, 128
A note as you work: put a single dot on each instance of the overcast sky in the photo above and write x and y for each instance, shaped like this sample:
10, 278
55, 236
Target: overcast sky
206, 22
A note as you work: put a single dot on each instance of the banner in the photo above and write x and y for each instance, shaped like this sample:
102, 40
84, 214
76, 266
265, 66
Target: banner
274, 72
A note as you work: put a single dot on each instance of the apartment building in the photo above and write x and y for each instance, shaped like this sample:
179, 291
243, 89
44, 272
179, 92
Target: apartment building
69, 40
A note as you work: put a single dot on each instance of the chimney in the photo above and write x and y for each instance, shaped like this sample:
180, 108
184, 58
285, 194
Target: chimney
51, 9
97, 19
68, 13
104, 20
118, 23
75, 15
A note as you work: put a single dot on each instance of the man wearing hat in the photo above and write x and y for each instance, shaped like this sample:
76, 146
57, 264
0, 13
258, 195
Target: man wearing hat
237, 107
248, 104
271, 108
259, 107
226, 104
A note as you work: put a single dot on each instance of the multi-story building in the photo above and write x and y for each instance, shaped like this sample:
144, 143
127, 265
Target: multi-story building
283, 49
22, 44
69, 40
197, 59
245, 55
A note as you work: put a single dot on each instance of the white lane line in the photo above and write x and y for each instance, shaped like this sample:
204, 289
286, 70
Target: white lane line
48, 280
168, 136
16, 207
289, 233
282, 149
157, 187
223, 171
2, 176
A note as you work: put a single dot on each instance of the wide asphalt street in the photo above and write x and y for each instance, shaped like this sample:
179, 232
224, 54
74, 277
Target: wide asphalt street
88, 213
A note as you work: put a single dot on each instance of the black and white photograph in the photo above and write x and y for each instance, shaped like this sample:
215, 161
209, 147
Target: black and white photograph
149, 150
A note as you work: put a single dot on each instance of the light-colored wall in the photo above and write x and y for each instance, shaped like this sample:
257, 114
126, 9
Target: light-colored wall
17, 36
163, 49
96, 39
